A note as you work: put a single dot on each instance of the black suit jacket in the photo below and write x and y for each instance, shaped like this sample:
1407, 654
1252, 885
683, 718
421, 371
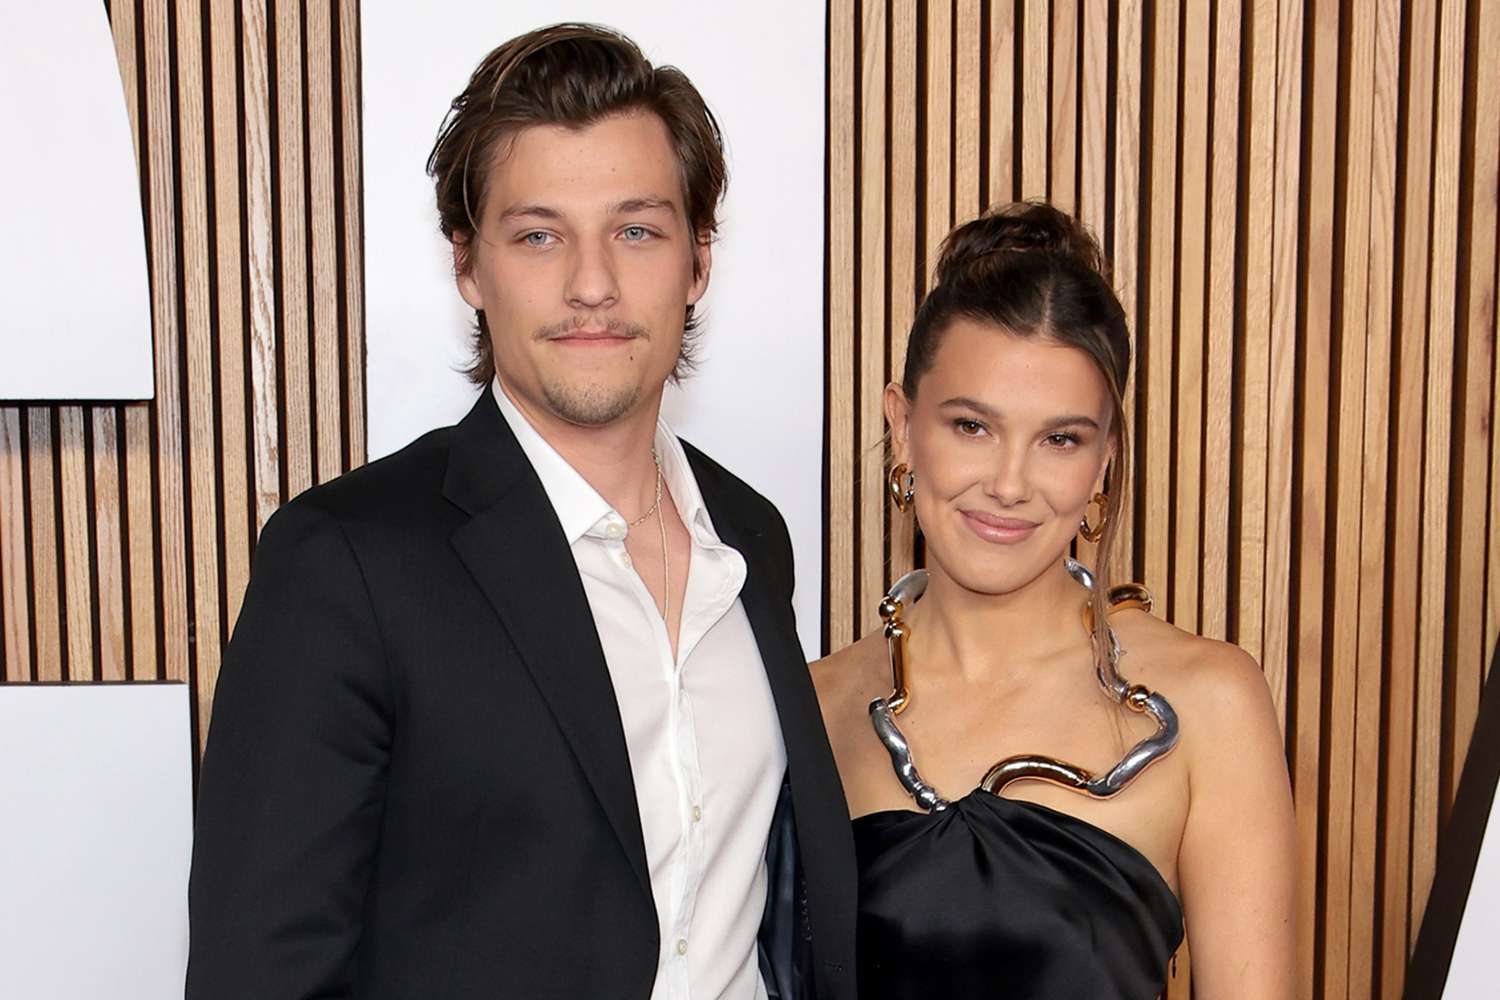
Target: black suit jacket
416, 782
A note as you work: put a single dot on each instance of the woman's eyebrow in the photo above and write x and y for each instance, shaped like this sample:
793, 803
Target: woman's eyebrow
990, 413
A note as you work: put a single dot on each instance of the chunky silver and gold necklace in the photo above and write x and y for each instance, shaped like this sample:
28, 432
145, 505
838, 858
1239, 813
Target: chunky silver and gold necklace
883, 711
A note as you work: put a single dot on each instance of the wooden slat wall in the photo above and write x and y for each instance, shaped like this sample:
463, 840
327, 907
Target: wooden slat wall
126, 530
1300, 198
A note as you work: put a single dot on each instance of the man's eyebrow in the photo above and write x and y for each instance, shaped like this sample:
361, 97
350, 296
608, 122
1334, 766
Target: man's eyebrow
990, 413
643, 205
531, 211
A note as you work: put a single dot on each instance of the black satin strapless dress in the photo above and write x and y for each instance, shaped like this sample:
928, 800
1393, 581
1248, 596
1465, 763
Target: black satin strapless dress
998, 898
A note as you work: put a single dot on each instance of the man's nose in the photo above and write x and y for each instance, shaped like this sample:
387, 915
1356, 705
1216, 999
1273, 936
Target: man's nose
591, 280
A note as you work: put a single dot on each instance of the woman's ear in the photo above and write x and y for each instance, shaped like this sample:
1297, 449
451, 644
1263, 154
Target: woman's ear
898, 422
1101, 484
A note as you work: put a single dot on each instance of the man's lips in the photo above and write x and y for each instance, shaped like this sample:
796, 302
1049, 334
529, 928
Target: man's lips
1001, 530
592, 337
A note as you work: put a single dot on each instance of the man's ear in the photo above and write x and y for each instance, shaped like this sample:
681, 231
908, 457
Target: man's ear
703, 259
898, 421
463, 270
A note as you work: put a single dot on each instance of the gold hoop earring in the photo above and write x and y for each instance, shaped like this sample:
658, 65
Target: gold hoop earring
1094, 532
903, 487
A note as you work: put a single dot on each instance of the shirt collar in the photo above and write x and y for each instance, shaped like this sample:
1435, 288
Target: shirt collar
580, 509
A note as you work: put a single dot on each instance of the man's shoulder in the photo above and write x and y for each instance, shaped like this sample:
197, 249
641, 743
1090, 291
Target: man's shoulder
391, 488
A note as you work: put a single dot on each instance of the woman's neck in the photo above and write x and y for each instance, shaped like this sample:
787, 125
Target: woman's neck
991, 637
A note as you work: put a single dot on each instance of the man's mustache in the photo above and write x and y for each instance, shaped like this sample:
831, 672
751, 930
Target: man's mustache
615, 328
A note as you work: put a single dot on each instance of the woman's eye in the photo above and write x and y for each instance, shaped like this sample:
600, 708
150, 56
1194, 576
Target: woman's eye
1061, 440
537, 239
635, 234
968, 428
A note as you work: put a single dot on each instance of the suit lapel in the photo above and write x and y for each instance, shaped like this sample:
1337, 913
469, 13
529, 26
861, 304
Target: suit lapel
516, 551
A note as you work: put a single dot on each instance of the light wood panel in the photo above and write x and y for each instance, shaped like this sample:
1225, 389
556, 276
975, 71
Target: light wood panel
126, 530
1299, 198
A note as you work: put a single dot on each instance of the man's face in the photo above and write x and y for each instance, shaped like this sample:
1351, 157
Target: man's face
583, 265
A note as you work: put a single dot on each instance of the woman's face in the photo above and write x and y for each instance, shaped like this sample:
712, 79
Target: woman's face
1008, 439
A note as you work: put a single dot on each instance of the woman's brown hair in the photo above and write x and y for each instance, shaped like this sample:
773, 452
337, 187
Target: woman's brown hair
573, 75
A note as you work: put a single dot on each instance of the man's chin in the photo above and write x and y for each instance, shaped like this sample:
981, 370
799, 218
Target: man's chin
591, 405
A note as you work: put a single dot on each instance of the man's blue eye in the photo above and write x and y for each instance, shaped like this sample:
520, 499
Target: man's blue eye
537, 239
636, 233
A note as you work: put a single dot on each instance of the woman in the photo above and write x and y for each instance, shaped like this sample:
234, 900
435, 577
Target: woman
1140, 783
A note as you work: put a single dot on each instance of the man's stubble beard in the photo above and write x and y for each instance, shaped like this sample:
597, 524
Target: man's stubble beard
589, 405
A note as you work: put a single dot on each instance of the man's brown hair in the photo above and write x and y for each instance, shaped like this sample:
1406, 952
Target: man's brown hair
572, 75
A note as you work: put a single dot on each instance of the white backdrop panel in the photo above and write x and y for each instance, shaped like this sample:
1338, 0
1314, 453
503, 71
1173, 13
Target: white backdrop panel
1472, 973
756, 404
95, 791
75, 318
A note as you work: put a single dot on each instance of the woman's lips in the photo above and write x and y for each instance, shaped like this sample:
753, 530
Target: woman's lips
1001, 530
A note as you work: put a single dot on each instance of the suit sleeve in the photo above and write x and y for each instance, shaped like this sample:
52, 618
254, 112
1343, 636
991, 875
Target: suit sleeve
292, 785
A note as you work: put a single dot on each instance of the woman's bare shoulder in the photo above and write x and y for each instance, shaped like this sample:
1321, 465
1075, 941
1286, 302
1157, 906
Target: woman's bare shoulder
1216, 687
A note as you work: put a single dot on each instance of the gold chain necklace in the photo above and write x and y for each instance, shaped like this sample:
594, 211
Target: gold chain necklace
661, 523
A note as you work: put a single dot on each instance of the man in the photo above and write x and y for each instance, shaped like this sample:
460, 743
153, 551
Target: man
520, 711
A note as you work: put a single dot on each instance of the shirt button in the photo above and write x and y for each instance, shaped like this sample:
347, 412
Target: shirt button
697, 813
682, 946
625, 559
615, 529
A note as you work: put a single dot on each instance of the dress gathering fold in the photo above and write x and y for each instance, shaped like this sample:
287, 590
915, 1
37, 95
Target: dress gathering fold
1000, 898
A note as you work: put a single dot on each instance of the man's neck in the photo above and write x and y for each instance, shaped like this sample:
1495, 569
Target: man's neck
615, 459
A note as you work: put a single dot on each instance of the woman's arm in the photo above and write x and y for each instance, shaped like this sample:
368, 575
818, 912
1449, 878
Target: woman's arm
1237, 863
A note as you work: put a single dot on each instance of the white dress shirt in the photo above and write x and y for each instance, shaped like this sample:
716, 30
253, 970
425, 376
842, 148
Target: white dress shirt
702, 731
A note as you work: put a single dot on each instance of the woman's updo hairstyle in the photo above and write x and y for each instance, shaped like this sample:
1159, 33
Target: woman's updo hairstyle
1033, 271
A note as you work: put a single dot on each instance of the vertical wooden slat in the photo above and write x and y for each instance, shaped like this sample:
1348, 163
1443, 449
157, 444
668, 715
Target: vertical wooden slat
78, 589
46, 608
1002, 90
1154, 441
234, 461
327, 378
1349, 932
172, 596
1427, 793
869, 456
296, 414
353, 195
260, 262
15, 591
108, 565
1093, 135
1220, 326
1386, 928
1187, 565
1350, 891
843, 331
1062, 189
905, 245
1478, 339
1125, 244
968, 33
1415, 164
938, 169
1312, 331
1253, 450
1035, 20
203, 453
